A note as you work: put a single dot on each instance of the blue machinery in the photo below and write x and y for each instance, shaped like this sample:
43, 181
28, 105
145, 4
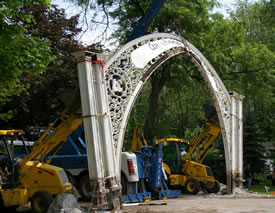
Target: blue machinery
151, 176
151, 185
72, 155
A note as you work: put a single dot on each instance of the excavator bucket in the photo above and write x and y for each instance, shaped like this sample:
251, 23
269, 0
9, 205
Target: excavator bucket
210, 113
71, 100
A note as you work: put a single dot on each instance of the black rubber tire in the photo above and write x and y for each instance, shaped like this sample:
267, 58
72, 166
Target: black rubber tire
192, 186
85, 188
216, 188
40, 201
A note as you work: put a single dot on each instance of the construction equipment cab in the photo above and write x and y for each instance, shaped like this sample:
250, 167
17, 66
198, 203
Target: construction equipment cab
29, 178
183, 160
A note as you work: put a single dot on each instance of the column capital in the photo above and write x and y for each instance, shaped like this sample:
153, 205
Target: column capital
83, 55
102, 56
236, 95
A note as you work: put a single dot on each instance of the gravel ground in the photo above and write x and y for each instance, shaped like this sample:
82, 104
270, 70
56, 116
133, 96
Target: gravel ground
241, 202
209, 204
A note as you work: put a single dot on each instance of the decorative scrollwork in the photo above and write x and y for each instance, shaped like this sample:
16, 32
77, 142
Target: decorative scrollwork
122, 77
216, 87
130, 65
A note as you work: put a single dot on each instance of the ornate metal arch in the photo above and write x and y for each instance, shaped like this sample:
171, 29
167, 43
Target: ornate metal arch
127, 71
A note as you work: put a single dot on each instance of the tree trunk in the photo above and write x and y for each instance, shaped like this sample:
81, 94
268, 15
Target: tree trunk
157, 81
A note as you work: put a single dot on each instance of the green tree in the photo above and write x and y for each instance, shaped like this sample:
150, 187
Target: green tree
19, 51
23, 52
253, 144
255, 61
40, 103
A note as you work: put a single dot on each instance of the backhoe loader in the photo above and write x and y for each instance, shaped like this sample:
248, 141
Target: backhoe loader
183, 160
31, 179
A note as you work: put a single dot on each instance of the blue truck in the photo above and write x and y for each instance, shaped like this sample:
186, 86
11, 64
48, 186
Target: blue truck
142, 176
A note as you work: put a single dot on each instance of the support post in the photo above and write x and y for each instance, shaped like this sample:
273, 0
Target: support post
236, 140
98, 132
92, 136
105, 131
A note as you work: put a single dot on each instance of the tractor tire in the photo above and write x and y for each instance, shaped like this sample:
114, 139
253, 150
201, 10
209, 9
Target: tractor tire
40, 201
192, 186
85, 188
216, 188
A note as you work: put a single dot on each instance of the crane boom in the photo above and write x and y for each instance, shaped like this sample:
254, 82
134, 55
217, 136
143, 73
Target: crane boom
142, 28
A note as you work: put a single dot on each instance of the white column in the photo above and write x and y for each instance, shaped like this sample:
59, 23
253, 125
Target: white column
91, 128
106, 135
233, 141
104, 121
98, 130
89, 113
236, 140
240, 166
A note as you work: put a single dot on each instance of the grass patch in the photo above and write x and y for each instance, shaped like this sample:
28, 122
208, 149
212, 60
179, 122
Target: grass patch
261, 190
258, 184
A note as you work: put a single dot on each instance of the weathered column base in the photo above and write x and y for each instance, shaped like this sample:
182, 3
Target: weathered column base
229, 183
114, 196
99, 193
234, 180
237, 181
106, 194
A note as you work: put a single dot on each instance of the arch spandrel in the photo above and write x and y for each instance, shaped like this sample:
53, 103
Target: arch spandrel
127, 71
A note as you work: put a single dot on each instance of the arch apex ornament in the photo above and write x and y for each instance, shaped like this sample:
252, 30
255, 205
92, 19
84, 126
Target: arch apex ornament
129, 68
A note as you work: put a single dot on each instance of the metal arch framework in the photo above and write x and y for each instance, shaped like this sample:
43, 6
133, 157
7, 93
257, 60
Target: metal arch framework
127, 71
108, 95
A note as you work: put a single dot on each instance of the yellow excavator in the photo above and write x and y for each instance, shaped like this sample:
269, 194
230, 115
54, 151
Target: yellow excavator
31, 179
183, 160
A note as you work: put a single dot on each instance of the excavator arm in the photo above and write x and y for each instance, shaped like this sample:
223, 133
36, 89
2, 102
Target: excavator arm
202, 142
47, 144
213, 133
138, 139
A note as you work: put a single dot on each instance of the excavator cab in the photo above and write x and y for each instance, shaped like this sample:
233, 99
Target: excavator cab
12, 144
173, 153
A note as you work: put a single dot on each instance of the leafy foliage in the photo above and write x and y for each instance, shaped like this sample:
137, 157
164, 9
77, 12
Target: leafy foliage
240, 48
19, 52
40, 104
253, 145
